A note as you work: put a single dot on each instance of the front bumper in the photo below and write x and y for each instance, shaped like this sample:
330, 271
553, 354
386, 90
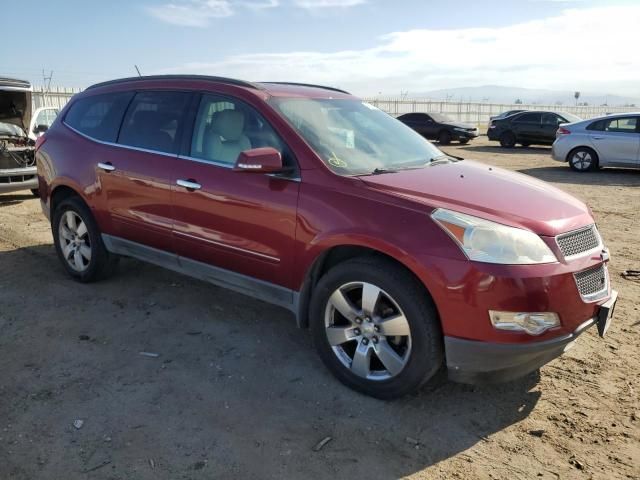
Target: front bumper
13, 180
478, 363
468, 135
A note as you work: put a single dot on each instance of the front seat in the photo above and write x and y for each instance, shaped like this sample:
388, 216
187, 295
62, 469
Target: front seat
227, 138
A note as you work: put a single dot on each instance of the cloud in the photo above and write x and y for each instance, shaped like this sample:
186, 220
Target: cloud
565, 51
311, 4
199, 13
192, 13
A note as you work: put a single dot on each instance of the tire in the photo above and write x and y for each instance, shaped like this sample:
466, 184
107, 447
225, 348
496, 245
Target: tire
583, 159
407, 359
35, 192
508, 140
526, 145
92, 261
444, 137
464, 141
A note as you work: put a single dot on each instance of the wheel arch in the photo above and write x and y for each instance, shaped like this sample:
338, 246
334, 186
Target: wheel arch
586, 147
60, 193
335, 255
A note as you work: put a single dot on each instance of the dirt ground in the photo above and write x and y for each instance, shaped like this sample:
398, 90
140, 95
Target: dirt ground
238, 392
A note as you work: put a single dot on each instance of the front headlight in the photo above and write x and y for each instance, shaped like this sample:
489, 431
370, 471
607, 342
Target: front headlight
490, 242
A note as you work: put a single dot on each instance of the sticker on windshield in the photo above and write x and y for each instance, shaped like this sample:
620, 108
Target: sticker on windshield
337, 162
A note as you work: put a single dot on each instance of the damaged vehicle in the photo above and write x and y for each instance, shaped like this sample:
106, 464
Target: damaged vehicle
17, 150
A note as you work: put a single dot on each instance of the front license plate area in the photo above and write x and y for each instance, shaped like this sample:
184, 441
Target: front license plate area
605, 313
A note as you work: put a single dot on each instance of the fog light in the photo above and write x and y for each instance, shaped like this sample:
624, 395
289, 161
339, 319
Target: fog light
533, 323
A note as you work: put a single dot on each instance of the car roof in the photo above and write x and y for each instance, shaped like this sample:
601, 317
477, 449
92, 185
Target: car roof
15, 84
276, 89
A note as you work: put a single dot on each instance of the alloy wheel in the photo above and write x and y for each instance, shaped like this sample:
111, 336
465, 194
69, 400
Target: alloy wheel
367, 331
74, 241
582, 160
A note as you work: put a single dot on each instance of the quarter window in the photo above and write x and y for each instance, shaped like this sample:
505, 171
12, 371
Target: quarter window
154, 121
99, 116
225, 127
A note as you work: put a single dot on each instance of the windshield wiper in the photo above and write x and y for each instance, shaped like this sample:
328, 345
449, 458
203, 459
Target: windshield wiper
378, 171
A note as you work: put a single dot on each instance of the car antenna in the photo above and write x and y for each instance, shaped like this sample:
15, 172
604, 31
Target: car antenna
138, 70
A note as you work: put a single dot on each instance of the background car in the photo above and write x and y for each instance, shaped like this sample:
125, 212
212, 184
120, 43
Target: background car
41, 120
17, 159
528, 128
436, 126
613, 141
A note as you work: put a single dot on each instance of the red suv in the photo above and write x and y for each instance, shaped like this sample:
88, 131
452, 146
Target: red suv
399, 258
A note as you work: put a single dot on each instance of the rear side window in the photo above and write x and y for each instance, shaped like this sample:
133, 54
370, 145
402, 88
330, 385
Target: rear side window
621, 125
99, 116
598, 126
529, 118
154, 121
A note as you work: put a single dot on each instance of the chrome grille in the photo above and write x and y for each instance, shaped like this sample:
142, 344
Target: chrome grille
592, 283
579, 241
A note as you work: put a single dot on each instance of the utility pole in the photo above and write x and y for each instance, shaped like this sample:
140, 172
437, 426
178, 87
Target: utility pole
46, 81
138, 70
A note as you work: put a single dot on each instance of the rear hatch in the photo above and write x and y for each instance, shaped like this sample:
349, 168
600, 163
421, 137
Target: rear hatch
16, 149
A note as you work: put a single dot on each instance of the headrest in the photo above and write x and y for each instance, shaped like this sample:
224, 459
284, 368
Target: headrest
229, 124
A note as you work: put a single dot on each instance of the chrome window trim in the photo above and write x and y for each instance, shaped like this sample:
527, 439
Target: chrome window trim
231, 247
586, 253
120, 145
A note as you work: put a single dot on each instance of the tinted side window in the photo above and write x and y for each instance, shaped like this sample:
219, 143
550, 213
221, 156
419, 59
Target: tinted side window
99, 116
414, 117
529, 118
598, 126
552, 119
225, 127
154, 121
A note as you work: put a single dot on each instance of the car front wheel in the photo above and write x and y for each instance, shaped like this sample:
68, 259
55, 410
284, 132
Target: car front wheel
78, 242
376, 328
444, 138
508, 140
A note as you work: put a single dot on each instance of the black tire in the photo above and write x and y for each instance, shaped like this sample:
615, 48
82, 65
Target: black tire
583, 159
101, 263
35, 192
464, 141
425, 356
508, 140
444, 137
525, 145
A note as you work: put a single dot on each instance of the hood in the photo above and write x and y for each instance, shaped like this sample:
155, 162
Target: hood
493, 193
15, 111
459, 125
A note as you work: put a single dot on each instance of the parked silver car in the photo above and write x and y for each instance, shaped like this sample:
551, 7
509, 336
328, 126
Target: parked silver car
611, 141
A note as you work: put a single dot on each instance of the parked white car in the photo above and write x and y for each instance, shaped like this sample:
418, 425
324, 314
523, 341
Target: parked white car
41, 120
610, 141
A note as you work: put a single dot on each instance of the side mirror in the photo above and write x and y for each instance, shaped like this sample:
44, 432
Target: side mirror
259, 160
40, 128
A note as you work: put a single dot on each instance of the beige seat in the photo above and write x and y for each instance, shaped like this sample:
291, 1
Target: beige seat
226, 139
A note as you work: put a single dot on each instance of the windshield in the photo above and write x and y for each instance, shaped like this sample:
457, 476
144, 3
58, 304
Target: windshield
440, 118
354, 137
570, 118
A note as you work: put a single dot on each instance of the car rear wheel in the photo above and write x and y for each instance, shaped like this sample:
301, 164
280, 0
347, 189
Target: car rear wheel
508, 140
376, 328
78, 242
583, 159
444, 138
35, 192
525, 144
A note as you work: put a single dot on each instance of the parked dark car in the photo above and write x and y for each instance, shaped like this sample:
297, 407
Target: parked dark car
436, 126
397, 257
528, 128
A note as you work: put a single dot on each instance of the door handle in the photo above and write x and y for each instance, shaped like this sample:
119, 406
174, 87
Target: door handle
189, 184
107, 167
597, 138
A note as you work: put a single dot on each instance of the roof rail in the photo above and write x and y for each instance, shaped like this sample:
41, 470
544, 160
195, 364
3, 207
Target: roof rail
333, 89
230, 81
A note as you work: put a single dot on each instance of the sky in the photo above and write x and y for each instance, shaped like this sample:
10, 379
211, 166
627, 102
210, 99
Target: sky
370, 47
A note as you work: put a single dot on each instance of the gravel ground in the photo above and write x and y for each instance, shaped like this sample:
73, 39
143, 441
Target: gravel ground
236, 391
